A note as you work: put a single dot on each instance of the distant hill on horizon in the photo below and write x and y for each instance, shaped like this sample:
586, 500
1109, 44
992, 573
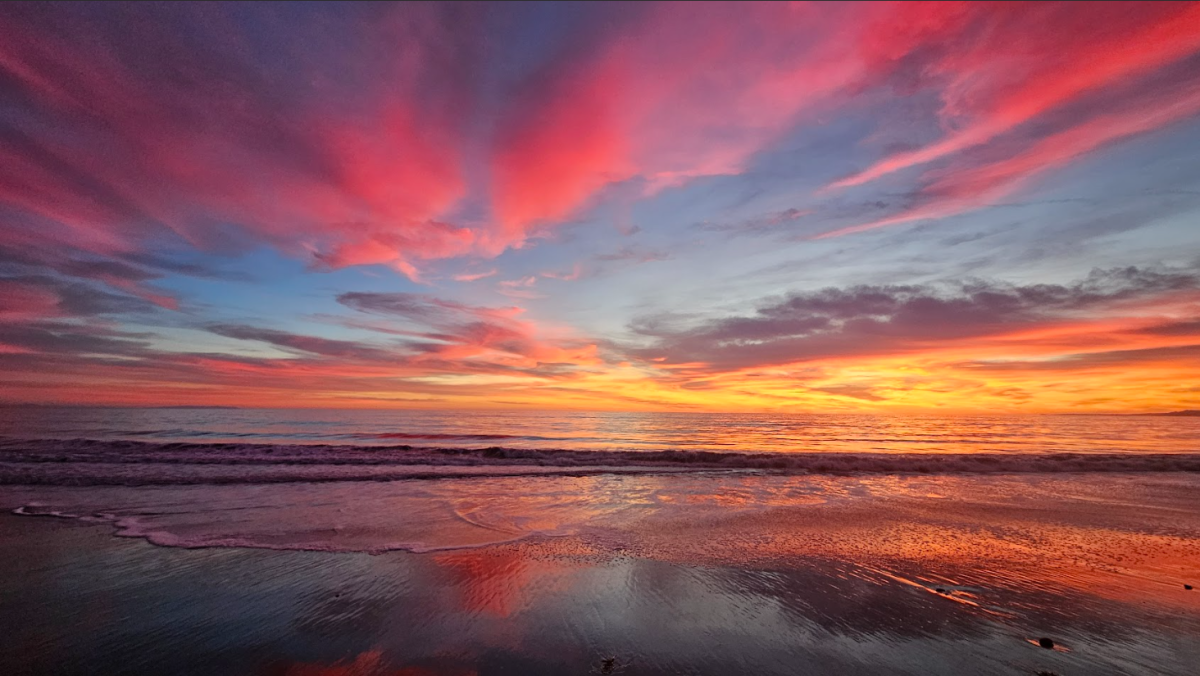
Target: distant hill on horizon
1189, 413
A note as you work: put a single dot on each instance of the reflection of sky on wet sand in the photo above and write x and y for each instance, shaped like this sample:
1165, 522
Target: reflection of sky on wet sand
707, 574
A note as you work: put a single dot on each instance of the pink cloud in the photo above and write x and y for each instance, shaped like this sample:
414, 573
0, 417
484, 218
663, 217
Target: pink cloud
1020, 61
364, 158
150, 159
21, 301
962, 188
460, 333
687, 91
474, 276
664, 100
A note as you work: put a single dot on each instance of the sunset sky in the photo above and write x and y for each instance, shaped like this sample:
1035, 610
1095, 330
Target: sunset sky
736, 207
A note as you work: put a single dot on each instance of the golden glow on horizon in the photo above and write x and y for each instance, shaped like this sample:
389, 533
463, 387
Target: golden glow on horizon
1033, 374
610, 226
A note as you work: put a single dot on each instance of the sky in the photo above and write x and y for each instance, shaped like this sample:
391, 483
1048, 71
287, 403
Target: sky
793, 207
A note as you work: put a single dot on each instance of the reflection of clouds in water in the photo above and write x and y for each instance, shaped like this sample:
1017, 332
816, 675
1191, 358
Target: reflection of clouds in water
494, 583
705, 574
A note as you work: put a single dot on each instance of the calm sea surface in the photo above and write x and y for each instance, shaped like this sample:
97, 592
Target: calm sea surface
616, 431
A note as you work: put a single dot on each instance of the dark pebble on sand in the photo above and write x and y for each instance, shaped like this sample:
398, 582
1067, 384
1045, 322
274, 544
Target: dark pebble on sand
940, 590
1046, 673
1187, 587
607, 665
1046, 643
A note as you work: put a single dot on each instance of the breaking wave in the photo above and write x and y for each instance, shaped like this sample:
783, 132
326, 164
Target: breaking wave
93, 462
441, 437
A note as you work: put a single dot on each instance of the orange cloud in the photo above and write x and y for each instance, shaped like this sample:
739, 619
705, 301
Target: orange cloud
1120, 339
401, 136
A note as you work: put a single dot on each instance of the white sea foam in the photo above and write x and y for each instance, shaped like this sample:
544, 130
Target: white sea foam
329, 517
606, 511
282, 539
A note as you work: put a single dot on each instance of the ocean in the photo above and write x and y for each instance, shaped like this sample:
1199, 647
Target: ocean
743, 432
373, 543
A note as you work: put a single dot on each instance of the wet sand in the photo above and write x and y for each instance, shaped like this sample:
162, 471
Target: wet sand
700, 574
